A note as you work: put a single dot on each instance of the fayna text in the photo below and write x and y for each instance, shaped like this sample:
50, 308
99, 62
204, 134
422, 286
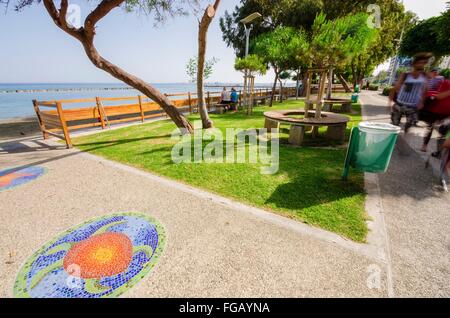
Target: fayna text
227, 307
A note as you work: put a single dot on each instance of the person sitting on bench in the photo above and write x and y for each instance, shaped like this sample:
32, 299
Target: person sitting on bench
234, 99
225, 98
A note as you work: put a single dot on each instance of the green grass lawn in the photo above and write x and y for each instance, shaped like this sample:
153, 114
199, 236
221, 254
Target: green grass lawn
307, 188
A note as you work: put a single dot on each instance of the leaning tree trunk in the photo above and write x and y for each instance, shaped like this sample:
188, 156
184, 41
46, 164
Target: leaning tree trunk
274, 88
86, 36
344, 83
208, 16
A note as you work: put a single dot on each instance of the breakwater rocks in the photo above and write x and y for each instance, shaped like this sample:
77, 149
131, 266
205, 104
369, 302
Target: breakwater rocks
63, 90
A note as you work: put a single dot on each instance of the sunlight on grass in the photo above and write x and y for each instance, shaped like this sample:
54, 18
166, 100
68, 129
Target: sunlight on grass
307, 187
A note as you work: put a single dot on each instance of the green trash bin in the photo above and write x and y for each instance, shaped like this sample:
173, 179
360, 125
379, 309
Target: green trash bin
371, 147
357, 88
355, 98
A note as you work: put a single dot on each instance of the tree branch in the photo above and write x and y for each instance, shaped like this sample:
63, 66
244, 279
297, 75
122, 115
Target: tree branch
99, 13
59, 17
216, 5
63, 12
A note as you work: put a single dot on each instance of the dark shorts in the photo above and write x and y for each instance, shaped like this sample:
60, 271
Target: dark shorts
411, 113
430, 117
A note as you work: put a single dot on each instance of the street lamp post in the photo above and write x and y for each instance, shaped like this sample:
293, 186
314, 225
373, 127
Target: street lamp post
247, 88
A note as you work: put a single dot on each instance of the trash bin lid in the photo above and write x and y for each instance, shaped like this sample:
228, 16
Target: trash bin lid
372, 127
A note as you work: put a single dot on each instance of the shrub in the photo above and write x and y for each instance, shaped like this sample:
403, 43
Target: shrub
387, 91
373, 87
445, 73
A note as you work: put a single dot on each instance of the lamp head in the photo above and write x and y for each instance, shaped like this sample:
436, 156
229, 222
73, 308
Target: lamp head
251, 18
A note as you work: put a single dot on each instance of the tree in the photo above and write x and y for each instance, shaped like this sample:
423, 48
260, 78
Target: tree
281, 49
203, 27
300, 14
388, 17
431, 35
250, 66
192, 68
86, 35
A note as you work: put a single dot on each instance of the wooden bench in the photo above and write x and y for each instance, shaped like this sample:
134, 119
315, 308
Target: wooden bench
337, 124
259, 100
221, 108
346, 104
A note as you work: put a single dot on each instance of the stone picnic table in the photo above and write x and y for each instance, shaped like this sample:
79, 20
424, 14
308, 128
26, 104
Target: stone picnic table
337, 124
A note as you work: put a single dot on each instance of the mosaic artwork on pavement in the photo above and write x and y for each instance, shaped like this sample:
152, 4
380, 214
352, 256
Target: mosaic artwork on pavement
12, 178
103, 257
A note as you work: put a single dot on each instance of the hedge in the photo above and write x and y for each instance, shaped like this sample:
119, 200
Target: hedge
387, 91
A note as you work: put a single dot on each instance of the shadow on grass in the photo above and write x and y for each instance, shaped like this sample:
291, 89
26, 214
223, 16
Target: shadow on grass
314, 179
112, 143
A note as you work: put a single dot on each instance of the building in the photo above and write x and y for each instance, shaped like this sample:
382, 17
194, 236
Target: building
445, 63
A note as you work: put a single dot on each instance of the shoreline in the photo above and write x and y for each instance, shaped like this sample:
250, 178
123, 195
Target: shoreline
19, 127
59, 90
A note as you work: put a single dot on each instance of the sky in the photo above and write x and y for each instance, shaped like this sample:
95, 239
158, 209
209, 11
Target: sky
34, 50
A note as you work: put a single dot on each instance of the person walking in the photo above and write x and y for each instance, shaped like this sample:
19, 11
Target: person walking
435, 80
437, 108
408, 95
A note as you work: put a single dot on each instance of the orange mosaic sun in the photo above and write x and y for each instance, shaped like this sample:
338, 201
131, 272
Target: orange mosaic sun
100, 256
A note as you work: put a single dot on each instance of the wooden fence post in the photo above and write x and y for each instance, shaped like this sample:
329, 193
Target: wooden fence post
64, 125
41, 123
190, 102
100, 112
141, 108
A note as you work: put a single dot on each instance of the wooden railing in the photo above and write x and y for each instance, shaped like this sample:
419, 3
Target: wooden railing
100, 112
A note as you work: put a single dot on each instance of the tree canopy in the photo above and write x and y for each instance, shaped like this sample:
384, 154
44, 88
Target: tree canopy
335, 42
282, 48
287, 13
192, 67
252, 63
431, 35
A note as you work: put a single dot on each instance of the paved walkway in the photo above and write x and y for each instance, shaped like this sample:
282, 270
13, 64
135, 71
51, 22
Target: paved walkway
417, 215
220, 248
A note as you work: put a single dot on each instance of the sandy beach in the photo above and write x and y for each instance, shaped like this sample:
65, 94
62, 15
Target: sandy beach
18, 127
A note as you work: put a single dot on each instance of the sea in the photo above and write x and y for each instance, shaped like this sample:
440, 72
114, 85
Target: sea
16, 99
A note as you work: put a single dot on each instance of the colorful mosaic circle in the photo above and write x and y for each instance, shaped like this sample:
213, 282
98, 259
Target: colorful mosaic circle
103, 257
12, 178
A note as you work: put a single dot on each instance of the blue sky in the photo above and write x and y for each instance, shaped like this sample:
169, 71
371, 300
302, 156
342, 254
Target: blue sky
35, 50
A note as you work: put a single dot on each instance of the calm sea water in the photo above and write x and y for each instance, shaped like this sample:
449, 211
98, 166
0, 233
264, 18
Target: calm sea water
19, 104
